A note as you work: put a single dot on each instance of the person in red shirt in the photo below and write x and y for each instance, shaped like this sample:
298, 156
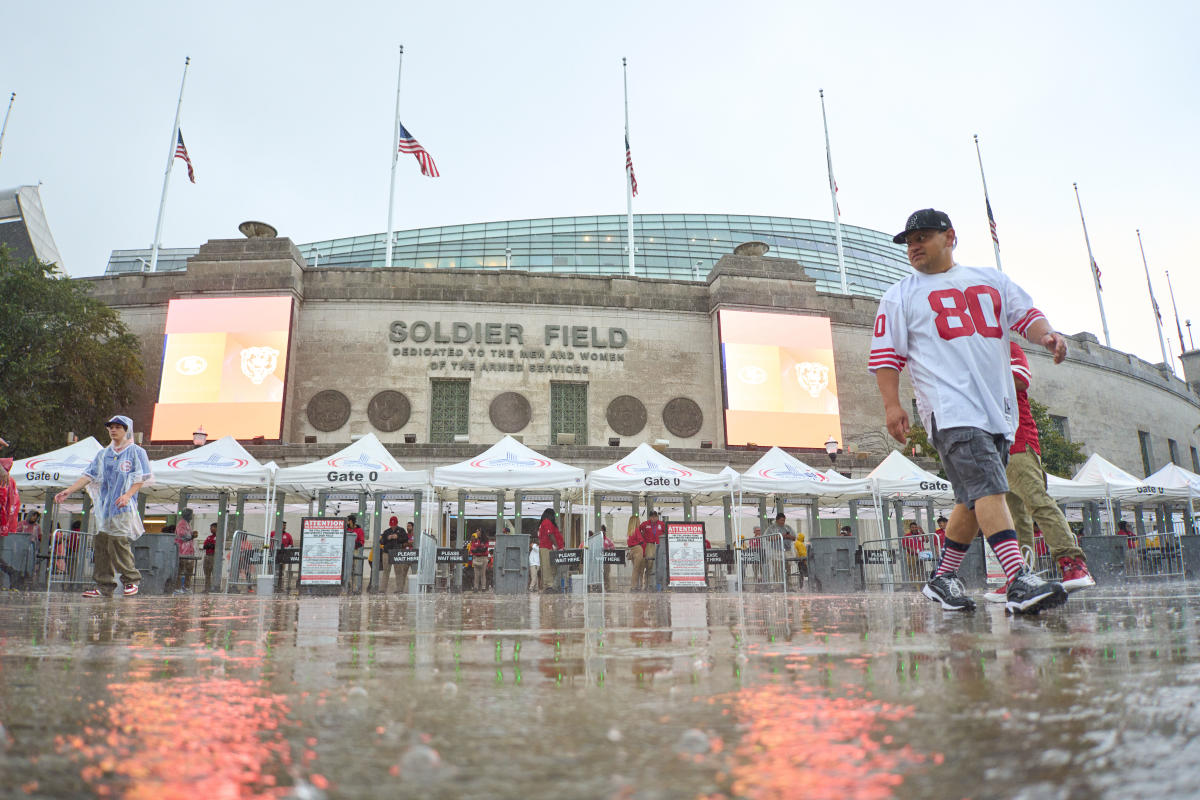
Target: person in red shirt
286, 538
1123, 530
210, 550
10, 511
941, 532
478, 549
648, 533
913, 541
1027, 499
549, 538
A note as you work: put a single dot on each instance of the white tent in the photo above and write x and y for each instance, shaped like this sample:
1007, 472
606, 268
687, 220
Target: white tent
223, 464
508, 464
364, 466
896, 476
58, 468
1070, 491
1173, 482
647, 471
780, 473
1120, 484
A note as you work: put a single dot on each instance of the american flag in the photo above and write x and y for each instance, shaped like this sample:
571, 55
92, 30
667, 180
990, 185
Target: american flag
991, 220
1096, 269
408, 144
629, 166
181, 152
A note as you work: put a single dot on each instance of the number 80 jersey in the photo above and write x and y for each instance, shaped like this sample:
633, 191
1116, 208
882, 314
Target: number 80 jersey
950, 329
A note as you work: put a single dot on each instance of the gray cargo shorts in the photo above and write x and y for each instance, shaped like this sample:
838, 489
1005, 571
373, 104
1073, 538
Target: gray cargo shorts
974, 461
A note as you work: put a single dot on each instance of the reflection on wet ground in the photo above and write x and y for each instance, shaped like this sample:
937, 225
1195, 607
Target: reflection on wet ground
624, 696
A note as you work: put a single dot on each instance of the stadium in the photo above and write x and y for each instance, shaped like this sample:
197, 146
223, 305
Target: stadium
535, 328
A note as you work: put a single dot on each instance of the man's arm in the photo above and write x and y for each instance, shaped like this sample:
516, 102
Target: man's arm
124, 499
1040, 332
83, 481
888, 380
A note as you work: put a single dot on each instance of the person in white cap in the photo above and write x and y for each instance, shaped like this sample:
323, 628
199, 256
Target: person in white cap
113, 480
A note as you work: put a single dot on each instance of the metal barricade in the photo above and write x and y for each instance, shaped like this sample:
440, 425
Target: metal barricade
764, 564
71, 559
426, 562
245, 561
907, 562
1155, 555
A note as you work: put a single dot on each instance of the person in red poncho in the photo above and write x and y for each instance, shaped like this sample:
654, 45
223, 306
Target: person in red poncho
549, 538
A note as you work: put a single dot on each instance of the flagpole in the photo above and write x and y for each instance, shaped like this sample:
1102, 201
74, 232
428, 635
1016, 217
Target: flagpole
837, 214
629, 173
1092, 267
1154, 304
1175, 308
162, 203
988, 203
387, 262
7, 114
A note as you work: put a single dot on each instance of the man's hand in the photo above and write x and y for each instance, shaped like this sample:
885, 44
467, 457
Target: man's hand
897, 422
123, 501
63, 495
1056, 345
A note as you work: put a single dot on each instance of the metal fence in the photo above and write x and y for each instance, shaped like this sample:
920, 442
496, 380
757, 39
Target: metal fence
71, 559
1155, 555
763, 561
245, 561
907, 562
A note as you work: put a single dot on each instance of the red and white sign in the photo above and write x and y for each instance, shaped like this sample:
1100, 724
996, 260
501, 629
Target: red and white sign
322, 548
685, 554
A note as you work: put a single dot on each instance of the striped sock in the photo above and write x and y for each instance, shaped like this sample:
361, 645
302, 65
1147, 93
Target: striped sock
952, 557
1004, 545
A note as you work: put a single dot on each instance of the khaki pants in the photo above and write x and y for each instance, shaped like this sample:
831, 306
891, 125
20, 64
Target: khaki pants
535, 578
635, 556
387, 568
479, 563
548, 576
1028, 503
113, 556
643, 568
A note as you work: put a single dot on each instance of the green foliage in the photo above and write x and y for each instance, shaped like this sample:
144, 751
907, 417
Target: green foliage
68, 360
918, 443
1059, 454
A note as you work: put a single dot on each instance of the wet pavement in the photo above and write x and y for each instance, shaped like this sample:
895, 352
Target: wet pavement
623, 696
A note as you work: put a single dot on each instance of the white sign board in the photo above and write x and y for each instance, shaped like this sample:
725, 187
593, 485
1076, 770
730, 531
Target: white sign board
685, 554
322, 541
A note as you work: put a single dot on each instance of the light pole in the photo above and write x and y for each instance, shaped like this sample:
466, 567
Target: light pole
199, 437
831, 448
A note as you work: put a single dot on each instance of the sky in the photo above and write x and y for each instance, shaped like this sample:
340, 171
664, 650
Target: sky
288, 117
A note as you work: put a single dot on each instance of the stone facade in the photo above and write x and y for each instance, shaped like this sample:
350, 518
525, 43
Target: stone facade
366, 331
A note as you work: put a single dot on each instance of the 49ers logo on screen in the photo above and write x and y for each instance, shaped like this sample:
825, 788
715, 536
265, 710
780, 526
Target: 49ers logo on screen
963, 313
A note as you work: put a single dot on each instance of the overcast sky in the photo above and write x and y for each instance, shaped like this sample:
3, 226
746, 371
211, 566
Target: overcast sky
288, 118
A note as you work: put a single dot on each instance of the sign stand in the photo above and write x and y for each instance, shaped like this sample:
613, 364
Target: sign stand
686, 566
322, 554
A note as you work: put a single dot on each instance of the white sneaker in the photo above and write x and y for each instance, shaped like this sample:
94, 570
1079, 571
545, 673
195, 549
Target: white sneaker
998, 596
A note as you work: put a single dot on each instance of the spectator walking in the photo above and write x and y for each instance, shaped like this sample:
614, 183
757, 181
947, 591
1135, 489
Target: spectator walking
184, 535
394, 540
649, 534
535, 566
549, 540
113, 480
210, 550
478, 549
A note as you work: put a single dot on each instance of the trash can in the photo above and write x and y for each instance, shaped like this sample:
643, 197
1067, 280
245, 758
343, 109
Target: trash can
1105, 556
511, 564
156, 556
831, 566
973, 569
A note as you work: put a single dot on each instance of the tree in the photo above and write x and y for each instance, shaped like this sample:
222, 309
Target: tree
68, 359
1059, 454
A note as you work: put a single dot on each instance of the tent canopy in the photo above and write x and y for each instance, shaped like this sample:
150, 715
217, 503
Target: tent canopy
896, 475
1173, 482
508, 464
58, 468
365, 466
780, 473
647, 471
1120, 484
223, 464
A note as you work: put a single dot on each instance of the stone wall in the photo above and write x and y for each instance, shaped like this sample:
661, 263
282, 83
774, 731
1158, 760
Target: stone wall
344, 340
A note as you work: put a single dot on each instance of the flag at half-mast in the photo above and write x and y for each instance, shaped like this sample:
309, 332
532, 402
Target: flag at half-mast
629, 166
992, 222
181, 152
408, 144
1096, 271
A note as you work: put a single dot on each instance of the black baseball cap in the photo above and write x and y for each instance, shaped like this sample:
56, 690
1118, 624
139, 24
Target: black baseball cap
927, 219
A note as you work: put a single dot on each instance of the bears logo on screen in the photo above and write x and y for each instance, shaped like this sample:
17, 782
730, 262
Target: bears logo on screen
258, 363
812, 376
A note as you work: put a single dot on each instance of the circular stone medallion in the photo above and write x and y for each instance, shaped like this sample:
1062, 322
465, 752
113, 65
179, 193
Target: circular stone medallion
389, 410
683, 417
510, 412
626, 415
328, 410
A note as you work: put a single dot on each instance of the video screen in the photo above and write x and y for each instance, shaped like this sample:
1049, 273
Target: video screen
224, 367
780, 385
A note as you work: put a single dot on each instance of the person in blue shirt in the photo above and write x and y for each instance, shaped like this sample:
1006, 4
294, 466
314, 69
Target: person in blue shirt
113, 480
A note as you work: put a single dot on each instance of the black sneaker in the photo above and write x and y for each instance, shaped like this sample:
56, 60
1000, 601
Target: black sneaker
948, 590
1029, 594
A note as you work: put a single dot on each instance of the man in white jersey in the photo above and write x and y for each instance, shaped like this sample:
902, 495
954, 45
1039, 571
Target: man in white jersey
949, 324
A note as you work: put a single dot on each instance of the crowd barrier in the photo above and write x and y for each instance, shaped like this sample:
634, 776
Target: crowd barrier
763, 562
245, 561
907, 562
1153, 556
71, 559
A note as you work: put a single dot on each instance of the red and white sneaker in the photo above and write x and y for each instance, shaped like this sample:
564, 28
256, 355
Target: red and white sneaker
130, 590
93, 593
1075, 574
